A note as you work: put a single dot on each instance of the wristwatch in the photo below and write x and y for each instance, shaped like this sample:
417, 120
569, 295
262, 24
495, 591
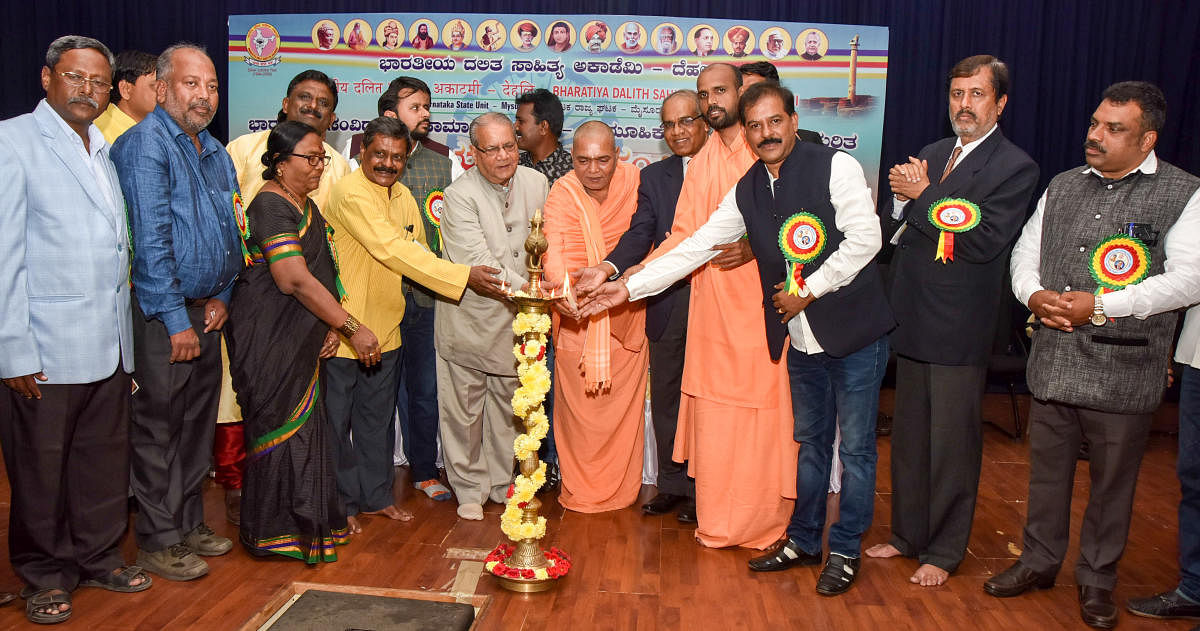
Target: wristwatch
1098, 318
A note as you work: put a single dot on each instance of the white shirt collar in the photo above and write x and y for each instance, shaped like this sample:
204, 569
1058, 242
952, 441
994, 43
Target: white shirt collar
970, 146
96, 140
1148, 166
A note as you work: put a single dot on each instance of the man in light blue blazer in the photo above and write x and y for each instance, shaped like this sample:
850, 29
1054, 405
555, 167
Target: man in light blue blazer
65, 338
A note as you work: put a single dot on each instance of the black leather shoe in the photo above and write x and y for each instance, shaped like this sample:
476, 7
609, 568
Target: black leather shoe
687, 512
787, 554
553, 479
1015, 581
1165, 605
883, 425
838, 575
1096, 607
662, 504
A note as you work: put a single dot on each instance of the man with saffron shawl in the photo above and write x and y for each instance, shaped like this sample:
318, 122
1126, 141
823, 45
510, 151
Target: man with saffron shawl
735, 414
600, 361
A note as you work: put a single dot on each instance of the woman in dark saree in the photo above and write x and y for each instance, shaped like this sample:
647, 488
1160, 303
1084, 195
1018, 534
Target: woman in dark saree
285, 316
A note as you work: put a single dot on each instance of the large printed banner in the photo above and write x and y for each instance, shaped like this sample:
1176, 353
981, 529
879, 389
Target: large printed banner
616, 68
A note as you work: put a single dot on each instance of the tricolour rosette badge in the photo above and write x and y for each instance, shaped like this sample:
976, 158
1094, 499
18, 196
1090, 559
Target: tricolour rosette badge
243, 226
1119, 261
801, 239
952, 215
435, 204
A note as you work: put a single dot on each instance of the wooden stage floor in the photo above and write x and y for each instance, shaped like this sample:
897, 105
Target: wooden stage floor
636, 572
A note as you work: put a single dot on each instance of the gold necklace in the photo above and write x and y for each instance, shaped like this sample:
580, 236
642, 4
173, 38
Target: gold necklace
294, 199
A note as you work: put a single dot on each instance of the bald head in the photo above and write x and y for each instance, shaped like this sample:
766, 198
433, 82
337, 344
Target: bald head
594, 155
685, 96
726, 71
595, 131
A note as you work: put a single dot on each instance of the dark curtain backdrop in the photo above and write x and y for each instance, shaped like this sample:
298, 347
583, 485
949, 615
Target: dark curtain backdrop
1061, 53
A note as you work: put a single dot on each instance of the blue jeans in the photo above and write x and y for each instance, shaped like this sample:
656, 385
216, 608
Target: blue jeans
1188, 465
416, 393
828, 392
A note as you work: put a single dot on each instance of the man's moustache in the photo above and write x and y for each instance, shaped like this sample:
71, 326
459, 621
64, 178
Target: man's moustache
1092, 144
770, 141
967, 112
386, 170
84, 99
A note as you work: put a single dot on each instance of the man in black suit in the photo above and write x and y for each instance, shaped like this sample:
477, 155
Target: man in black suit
953, 241
685, 131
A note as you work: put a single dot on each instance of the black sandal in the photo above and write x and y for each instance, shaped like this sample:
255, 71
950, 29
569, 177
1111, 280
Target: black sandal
121, 581
40, 602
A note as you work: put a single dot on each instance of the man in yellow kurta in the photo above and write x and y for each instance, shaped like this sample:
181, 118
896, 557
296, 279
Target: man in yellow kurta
600, 362
311, 99
377, 238
133, 94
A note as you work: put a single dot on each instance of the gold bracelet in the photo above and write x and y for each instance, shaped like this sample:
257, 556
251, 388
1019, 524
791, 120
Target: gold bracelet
350, 327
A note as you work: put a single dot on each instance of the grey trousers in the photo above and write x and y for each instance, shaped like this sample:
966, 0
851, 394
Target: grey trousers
1116, 444
477, 430
360, 403
937, 448
171, 434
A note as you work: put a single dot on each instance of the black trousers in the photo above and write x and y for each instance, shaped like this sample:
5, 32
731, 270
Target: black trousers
937, 448
666, 379
67, 456
171, 437
1116, 444
360, 403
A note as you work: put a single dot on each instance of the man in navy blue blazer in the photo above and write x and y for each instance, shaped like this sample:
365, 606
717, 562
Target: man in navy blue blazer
960, 204
66, 346
685, 132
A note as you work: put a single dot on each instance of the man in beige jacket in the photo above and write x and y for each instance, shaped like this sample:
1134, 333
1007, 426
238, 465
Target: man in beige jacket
485, 222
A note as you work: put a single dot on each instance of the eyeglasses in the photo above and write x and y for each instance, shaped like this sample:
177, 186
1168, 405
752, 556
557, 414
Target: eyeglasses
320, 104
508, 147
314, 159
686, 121
76, 80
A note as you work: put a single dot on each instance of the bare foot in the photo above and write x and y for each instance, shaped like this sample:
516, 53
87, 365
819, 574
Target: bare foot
929, 576
353, 525
392, 512
883, 551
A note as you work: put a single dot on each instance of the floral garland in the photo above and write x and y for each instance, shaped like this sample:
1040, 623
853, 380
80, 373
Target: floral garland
534, 378
557, 564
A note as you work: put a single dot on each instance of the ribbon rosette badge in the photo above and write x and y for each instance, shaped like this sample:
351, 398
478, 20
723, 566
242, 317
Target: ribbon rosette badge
243, 226
951, 216
1119, 261
801, 239
435, 204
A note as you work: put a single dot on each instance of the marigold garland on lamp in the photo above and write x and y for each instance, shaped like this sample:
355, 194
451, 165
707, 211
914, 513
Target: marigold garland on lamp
524, 567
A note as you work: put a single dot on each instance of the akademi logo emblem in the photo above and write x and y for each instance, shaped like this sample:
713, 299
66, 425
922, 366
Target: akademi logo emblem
262, 45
